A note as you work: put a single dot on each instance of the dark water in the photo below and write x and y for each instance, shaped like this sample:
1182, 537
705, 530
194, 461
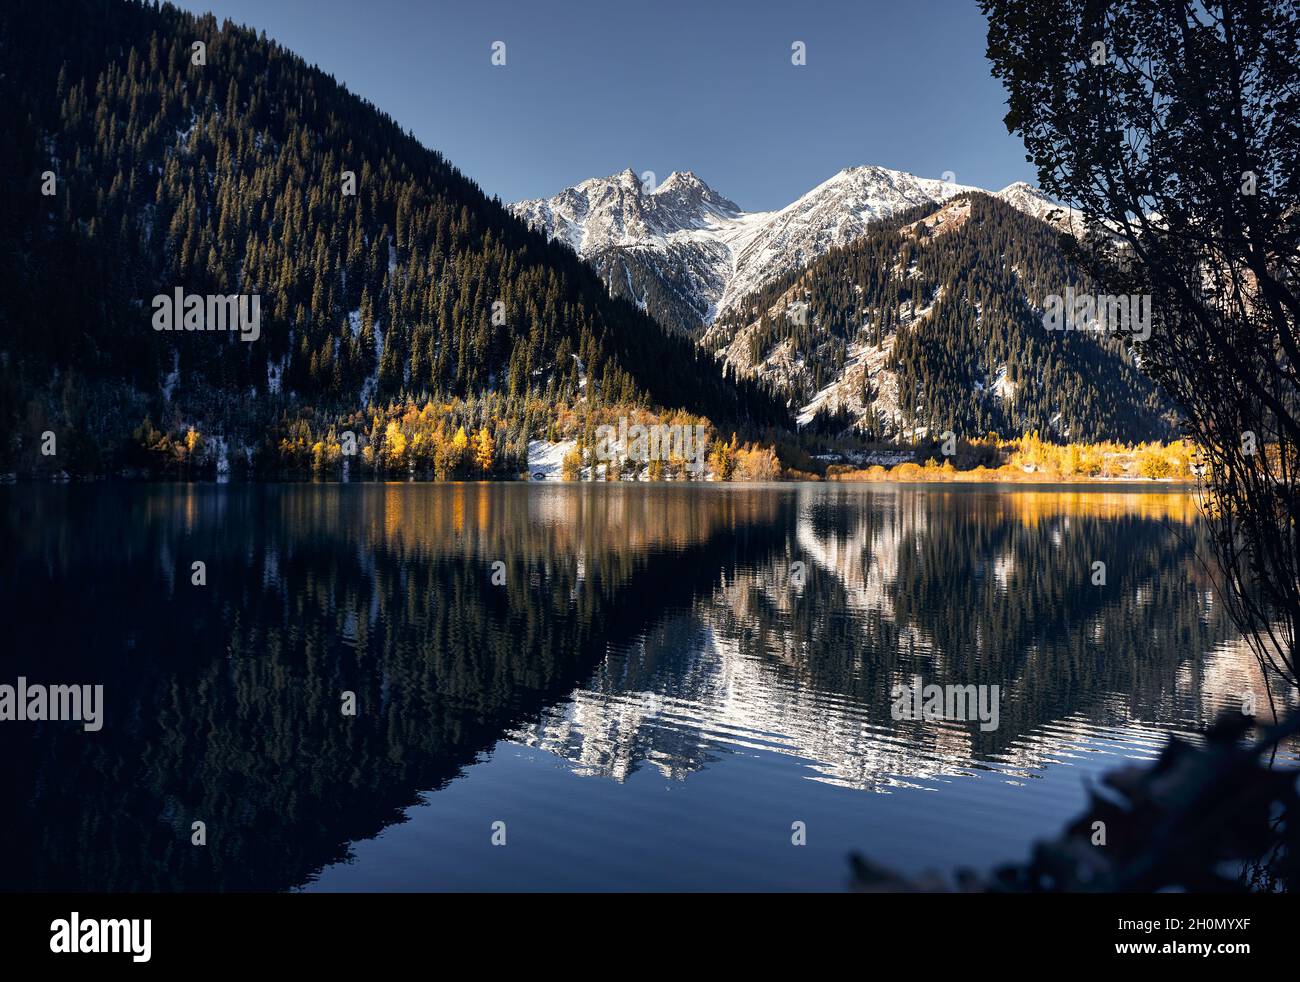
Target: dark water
650, 700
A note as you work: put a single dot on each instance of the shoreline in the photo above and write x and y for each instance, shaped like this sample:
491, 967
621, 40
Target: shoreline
912, 481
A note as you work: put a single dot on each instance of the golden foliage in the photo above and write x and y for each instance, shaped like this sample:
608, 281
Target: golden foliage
1030, 459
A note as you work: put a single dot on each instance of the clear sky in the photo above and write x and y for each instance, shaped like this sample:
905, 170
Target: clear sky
593, 86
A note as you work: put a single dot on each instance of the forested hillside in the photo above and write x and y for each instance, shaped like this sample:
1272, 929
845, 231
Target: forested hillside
228, 176
933, 321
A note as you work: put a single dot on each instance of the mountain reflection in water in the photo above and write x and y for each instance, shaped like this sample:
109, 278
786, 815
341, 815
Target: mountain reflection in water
643, 635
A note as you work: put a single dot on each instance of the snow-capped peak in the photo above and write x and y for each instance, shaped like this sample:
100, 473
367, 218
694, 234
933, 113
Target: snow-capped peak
686, 192
1033, 202
711, 251
604, 212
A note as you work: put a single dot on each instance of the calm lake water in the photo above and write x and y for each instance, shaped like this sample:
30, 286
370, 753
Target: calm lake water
649, 696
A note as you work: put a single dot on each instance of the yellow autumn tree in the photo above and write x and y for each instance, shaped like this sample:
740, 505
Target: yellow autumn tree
1152, 463
755, 463
459, 450
1071, 462
571, 466
484, 451
394, 444
723, 459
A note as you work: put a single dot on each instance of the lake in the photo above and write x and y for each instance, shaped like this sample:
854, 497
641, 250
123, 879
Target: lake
596, 686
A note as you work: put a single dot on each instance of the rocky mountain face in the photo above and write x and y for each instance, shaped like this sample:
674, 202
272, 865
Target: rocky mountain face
686, 254
934, 321
880, 302
1028, 199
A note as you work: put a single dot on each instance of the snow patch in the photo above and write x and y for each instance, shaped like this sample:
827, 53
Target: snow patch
546, 459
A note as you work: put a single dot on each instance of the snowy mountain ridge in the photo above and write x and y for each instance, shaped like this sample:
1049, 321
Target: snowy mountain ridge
689, 254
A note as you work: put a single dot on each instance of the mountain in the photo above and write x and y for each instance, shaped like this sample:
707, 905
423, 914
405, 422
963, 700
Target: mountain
1028, 199
925, 301
148, 153
686, 254
666, 250
617, 211
933, 321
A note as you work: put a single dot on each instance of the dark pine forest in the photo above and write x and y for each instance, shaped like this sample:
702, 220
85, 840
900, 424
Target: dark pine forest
227, 177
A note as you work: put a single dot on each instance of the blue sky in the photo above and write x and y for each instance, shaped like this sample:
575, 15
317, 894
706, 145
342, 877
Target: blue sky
590, 88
